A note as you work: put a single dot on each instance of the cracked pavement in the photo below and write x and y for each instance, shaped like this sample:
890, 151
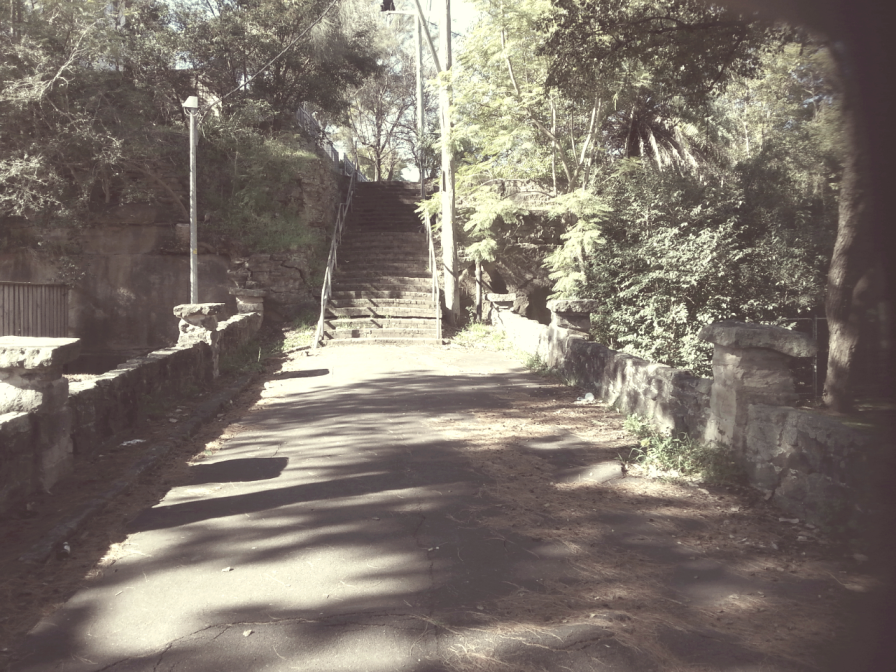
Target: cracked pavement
336, 533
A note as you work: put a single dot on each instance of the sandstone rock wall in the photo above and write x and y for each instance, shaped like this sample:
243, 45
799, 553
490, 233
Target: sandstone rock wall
130, 265
674, 399
288, 279
810, 465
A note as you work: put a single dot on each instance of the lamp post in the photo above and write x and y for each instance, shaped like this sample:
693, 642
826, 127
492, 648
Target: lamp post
191, 105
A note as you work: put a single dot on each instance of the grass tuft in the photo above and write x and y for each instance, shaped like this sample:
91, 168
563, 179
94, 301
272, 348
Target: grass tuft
680, 456
485, 336
301, 332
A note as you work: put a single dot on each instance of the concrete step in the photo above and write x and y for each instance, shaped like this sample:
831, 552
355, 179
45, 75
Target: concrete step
382, 285
374, 247
381, 294
374, 323
382, 312
390, 266
379, 334
384, 248
362, 230
380, 341
380, 303
369, 275
399, 268
358, 253
375, 230
384, 252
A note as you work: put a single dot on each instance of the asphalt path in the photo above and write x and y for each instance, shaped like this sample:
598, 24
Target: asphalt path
326, 536
334, 534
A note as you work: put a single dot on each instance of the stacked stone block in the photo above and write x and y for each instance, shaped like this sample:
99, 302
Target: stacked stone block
37, 444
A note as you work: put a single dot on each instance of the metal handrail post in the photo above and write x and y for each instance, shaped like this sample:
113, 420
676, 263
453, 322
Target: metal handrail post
326, 290
435, 278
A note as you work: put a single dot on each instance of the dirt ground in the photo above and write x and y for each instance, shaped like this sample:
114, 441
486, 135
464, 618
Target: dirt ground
726, 524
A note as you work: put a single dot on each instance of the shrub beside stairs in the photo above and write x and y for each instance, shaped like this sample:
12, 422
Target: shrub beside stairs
382, 287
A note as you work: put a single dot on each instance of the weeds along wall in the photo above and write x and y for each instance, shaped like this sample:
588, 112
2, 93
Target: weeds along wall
98, 409
810, 465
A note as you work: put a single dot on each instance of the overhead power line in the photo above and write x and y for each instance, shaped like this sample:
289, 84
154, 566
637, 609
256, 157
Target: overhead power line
285, 49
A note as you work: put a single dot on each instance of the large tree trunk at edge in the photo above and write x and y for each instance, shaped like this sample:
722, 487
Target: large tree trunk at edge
849, 273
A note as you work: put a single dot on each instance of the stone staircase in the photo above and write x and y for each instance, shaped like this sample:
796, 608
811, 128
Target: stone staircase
382, 288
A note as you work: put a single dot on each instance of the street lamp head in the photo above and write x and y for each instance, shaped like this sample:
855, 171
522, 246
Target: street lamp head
191, 104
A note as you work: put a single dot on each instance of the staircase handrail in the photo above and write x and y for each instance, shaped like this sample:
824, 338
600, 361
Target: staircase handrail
331, 260
435, 278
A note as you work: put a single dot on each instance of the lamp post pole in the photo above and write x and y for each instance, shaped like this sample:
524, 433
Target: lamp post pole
191, 105
418, 24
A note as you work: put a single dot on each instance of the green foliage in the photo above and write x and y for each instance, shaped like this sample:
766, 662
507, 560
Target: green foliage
252, 187
747, 237
678, 253
687, 46
90, 100
317, 61
82, 96
479, 335
680, 456
536, 365
685, 159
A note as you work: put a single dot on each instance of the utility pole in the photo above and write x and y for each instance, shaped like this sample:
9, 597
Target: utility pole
191, 105
443, 67
418, 24
449, 241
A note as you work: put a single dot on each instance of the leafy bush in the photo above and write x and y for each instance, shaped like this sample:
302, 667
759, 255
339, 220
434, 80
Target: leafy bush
680, 251
252, 187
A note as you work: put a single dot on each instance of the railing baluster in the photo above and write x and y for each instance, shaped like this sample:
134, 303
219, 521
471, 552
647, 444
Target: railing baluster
342, 211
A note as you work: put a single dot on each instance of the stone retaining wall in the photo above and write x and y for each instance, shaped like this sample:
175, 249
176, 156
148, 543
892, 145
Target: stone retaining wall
809, 464
674, 399
97, 409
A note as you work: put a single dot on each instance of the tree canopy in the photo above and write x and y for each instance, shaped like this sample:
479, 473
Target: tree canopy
688, 158
90, 92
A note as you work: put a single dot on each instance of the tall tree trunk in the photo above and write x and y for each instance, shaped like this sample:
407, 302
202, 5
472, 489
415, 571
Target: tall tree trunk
849, 273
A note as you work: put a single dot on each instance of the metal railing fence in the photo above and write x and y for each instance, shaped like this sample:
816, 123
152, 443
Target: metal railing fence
309, 123
435, 277
331, 261
31, 309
